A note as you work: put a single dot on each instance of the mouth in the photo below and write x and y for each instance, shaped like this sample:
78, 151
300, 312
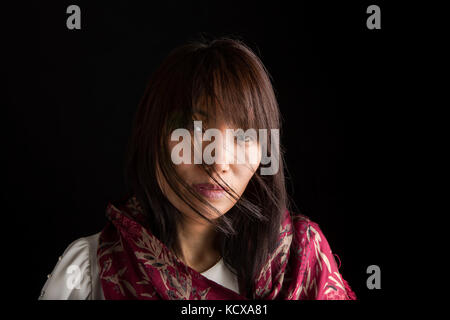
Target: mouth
209, 190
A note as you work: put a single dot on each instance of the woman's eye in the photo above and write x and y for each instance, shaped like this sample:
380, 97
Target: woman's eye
198, 129
244, 138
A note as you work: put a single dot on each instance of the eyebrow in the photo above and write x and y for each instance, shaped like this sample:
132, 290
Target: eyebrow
204, 115
201, 112
209, 117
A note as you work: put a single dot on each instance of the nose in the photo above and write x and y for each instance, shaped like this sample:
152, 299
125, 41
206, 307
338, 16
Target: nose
222, 155
221, 167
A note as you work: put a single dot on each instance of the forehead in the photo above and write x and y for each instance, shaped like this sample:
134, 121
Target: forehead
212, 116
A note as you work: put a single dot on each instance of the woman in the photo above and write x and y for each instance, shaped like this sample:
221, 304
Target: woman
212, 228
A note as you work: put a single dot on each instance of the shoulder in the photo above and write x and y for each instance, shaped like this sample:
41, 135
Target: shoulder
304, 228
309, 237
323, 280
74, 272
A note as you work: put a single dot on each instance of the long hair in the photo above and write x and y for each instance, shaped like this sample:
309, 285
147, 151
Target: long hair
225, 75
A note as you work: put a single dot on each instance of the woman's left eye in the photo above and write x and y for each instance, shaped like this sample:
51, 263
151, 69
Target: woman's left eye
244, 138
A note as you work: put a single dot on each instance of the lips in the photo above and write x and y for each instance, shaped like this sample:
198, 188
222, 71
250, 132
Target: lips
209, 190
208, 186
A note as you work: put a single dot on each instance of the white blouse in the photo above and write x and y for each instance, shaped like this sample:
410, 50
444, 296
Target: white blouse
76, 274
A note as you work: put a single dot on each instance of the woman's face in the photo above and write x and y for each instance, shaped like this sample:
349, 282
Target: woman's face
234, 173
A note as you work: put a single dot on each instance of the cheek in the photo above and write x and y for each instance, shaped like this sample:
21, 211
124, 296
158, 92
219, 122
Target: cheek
182, 169
185, 171
243, 175
254, 154
244, 172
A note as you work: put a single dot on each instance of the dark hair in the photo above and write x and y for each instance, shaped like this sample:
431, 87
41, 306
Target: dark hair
228, 76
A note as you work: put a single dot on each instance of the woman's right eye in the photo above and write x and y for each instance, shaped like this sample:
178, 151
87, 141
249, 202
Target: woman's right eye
197, 128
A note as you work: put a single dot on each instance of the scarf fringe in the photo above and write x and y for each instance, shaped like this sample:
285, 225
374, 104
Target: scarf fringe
351, 294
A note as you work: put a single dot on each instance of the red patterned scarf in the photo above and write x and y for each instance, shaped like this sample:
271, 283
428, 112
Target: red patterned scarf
134, 264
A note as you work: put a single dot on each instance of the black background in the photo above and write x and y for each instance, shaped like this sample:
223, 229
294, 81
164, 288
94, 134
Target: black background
71, 95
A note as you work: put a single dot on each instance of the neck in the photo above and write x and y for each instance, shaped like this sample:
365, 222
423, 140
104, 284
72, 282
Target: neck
197, 245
